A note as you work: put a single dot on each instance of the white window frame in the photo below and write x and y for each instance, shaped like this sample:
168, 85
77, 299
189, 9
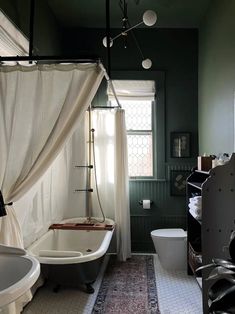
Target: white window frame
143, 94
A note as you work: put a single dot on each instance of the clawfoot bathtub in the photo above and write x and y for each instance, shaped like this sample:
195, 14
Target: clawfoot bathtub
72, 257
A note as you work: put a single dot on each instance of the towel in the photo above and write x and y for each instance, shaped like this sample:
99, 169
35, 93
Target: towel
195, 208
198, 197
197, 200
195, 203
196, 216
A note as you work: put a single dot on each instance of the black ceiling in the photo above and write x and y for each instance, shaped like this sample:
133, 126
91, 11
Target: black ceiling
91, 13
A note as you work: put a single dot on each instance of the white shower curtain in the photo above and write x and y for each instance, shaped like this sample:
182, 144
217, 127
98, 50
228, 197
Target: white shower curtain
40, 107
112, 174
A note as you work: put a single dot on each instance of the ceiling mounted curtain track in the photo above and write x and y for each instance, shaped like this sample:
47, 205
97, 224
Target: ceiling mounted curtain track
56, 59
66, 59
104, 107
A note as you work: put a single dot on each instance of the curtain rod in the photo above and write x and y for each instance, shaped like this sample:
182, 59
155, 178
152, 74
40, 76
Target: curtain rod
110, 84
104, 107
31, 27
50, 58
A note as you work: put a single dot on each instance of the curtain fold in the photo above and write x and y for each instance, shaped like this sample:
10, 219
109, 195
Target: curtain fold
121, 190
12, 40
112, 175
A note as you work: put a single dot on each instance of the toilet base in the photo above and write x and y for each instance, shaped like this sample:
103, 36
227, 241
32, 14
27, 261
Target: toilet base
171, 247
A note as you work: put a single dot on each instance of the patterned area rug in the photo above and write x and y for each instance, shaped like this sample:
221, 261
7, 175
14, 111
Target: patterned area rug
128, 287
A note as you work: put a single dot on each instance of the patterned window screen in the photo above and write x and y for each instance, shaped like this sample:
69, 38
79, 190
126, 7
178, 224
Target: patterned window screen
136, 98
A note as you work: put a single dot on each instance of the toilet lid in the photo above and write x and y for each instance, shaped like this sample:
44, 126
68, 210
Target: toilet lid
169, 233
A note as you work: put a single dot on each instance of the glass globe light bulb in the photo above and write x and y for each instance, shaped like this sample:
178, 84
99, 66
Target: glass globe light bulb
105, 42
149, 18
146, 64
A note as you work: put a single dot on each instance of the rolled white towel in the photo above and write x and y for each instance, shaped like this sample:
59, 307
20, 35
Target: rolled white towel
198, 206
197, 203
197, 210
195, 206
192, 212
198, 197
196, 200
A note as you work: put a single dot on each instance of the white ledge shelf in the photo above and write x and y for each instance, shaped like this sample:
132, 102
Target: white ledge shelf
197, 185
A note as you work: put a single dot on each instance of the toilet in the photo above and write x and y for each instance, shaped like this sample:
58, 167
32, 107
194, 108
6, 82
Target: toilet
171, 247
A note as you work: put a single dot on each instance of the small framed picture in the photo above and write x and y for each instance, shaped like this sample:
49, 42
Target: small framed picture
178, 182
180, 144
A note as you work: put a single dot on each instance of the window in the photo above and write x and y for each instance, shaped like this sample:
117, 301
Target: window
136, 98
139, 137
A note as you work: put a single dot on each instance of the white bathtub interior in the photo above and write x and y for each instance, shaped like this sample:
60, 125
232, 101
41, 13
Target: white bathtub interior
71, 246
69, 240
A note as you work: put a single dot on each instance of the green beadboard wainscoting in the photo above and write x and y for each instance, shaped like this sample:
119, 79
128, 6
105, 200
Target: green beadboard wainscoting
166, 211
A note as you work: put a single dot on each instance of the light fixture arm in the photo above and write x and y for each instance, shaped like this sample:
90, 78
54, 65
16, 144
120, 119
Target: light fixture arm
130, 28
149, 19
127, 30
137, 45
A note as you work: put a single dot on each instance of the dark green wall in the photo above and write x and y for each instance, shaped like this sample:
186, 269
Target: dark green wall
217, 79
46, 29
174, 52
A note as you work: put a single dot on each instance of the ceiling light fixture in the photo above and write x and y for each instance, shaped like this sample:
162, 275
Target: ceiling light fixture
149, 19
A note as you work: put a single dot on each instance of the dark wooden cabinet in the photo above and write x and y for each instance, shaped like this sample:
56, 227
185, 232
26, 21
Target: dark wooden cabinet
194, 225
208, 237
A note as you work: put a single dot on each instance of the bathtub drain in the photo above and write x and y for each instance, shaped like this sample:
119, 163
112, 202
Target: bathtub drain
89, 250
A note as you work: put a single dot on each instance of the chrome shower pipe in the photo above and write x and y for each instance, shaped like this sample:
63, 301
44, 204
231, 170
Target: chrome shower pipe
89, 169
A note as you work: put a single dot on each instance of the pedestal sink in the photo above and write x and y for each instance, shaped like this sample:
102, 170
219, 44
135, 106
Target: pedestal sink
18, 272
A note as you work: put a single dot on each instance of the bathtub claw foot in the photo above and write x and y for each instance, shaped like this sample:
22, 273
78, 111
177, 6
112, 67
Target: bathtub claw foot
89, 288
56, 288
